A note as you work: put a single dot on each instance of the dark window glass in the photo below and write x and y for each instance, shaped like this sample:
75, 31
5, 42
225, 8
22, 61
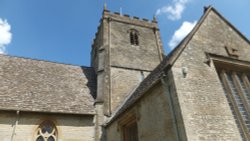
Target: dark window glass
130, 132
40, 138
46, 132
134, 38
51, 138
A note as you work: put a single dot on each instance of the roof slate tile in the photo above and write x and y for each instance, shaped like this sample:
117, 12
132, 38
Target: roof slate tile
41, 86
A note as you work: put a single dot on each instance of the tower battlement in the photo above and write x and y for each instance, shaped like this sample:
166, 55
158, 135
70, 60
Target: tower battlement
125, 18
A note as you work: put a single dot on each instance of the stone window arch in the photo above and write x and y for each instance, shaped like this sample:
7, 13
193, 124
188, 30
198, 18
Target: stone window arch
46, 132
134, 37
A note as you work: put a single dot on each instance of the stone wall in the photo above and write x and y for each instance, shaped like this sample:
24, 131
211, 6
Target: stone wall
70, 127
145, 56
124, 81
205, 110
153, 115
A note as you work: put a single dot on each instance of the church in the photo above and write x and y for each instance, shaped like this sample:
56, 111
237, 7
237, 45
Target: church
200, 91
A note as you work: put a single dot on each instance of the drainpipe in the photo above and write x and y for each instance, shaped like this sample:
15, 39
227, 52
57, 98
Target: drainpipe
16, 123
167, 90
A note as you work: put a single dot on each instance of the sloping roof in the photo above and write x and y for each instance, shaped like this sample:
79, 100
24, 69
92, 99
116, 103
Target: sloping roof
42, 86
166, 64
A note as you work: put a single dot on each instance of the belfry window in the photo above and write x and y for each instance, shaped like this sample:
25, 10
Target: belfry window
236, 85
46, 132
134, 37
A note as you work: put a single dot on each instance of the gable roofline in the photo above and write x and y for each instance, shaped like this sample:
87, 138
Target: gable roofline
165, 65
231, 25
182, 45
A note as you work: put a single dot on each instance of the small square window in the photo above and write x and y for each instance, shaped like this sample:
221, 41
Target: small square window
128, 127
130, 131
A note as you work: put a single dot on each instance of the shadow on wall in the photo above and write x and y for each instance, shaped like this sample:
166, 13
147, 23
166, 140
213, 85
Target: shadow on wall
91, 76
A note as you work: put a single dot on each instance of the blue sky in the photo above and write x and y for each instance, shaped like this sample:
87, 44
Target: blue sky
63, 30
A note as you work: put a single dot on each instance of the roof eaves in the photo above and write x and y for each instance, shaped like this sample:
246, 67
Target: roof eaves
50, 112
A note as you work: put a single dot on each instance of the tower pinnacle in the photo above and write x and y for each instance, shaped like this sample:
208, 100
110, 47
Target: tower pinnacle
105, 6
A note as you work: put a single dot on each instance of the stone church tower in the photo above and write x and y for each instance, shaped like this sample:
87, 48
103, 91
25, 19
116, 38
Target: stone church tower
124, 51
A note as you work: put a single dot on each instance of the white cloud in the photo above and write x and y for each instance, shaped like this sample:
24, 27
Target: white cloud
5, 35
175, 10
181, 33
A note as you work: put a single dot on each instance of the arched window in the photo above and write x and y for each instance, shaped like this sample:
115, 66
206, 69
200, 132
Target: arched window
46, 132
134, 37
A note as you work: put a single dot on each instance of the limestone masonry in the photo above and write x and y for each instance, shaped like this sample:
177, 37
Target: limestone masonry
133, 92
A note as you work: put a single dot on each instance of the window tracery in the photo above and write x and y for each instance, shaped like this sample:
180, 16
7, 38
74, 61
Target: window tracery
46, 132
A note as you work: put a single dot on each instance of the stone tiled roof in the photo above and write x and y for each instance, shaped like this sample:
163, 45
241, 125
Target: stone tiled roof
41, 86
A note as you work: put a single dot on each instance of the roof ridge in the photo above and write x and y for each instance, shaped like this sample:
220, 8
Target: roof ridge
42, 60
